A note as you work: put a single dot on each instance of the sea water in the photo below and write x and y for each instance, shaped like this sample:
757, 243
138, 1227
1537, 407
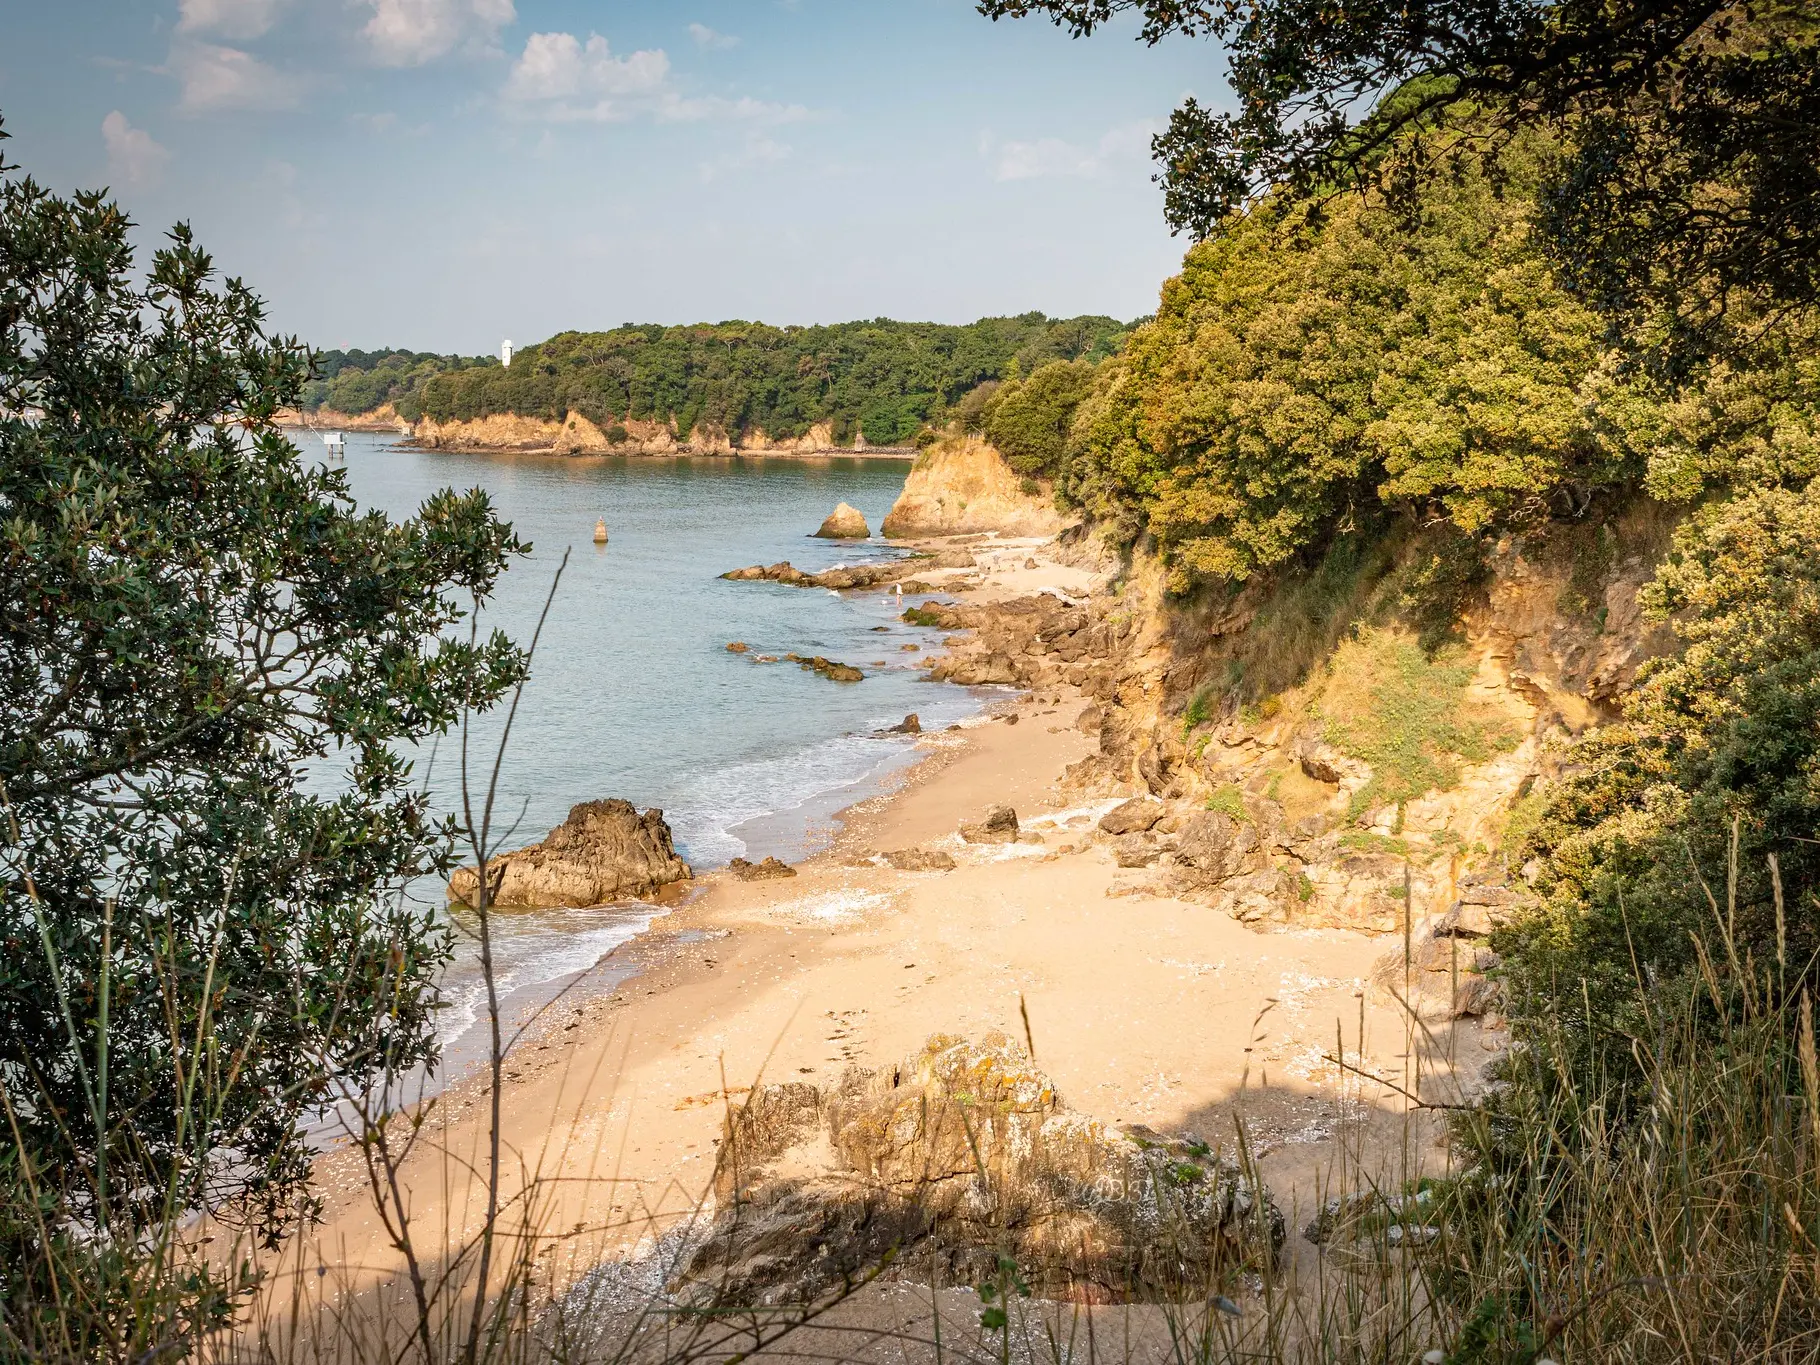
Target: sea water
633, 692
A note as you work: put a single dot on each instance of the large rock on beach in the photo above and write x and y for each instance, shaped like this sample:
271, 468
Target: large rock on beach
920, 860
953, 1158
844, 523
770, 869
1134, 816
999, 826
1212, 847
605, 851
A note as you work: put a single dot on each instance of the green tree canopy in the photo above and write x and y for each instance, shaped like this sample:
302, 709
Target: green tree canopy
1689, 129
1028, 420
1304, 365
1719, 742
884, 378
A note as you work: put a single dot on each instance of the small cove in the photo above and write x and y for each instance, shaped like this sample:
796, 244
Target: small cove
633, 692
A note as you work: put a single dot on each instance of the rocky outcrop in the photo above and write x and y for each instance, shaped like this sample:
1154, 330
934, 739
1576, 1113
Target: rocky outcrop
962, 485
383, 418
845, 522
997, 826
851, 575
574, 435
1133, 817
960, 1155
769, 870
920, 860
830, 669
604, 852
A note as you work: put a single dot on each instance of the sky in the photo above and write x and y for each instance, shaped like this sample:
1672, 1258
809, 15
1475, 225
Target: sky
444, 174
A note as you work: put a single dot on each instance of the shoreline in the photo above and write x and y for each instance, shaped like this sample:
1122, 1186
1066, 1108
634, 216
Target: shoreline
404, 434
1142, 1007
905, 454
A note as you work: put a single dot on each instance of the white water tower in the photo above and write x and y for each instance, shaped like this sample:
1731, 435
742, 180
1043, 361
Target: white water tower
505, 354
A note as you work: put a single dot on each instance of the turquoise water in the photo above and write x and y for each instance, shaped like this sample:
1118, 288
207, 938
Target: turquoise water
633, 693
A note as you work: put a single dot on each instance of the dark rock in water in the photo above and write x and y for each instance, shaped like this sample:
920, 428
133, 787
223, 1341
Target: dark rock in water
955, 1157
998, 827
738, 647
920, 860
844, 523
853, 575
768, 870
828, 668
910, 726
605, 851
1134, 816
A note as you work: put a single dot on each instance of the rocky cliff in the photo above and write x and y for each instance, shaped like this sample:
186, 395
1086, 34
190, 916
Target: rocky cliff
1313, 753
382, 418
962, 485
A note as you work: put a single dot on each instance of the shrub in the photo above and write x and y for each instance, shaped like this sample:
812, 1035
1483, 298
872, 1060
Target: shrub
199, 946
1390, 704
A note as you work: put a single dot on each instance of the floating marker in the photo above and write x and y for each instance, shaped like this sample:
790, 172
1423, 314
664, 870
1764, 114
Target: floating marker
600, 531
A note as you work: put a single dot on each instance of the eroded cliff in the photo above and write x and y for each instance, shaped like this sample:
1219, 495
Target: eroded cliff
961, 485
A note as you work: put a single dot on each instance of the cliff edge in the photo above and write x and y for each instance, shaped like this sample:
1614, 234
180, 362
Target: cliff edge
961, 484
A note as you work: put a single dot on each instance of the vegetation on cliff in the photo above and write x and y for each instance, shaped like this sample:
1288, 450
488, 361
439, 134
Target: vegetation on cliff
884, 380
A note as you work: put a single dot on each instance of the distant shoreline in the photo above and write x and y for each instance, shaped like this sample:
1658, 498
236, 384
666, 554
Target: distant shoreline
902, 453
405, 433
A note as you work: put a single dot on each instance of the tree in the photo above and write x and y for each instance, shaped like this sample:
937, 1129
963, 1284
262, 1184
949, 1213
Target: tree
1029, 419
1662, 833
196, 943
1304, 367
1690, 128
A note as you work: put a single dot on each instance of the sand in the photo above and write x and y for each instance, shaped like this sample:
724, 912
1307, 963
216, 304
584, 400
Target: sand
1143, 1008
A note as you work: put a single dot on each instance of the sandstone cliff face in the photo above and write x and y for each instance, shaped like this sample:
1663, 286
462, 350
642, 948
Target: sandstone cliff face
1242, 715
382, 418
605, 851
960, 485
576, 435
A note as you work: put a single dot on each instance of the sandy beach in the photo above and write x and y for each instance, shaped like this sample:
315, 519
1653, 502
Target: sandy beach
1141, 1007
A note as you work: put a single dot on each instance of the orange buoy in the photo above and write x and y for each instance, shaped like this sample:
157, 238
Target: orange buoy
600, 531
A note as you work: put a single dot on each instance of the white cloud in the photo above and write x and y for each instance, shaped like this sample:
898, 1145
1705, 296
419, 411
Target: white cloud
133, 157
564, 80
707, 37
227, 18
216, 78
1051, 156
412, 32
557, 66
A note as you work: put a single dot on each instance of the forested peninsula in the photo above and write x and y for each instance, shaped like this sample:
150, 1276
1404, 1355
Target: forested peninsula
881, 381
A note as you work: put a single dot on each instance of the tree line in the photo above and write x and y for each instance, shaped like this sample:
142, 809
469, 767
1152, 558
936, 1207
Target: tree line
882, 379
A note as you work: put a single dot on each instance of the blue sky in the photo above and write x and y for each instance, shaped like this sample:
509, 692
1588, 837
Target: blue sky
440, 174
